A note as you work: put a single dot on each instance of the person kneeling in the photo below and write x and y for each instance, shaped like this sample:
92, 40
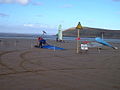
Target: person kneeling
41, 42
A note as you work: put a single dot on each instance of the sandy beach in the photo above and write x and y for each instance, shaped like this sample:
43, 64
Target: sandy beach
24, 67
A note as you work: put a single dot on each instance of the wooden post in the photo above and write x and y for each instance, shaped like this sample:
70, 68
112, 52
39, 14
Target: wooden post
78, 43
102, 34
78, 36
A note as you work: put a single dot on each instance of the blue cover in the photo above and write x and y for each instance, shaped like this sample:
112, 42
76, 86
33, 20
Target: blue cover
102, 42
52, 47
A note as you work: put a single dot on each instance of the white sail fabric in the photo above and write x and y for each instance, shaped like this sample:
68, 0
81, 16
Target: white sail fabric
60, 36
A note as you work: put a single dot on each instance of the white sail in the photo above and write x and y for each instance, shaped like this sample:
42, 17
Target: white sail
60, 36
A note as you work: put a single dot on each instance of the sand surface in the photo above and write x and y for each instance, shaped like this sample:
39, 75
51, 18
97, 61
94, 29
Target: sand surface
24, 67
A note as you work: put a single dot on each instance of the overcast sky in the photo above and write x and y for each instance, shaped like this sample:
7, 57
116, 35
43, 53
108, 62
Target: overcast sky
33, 16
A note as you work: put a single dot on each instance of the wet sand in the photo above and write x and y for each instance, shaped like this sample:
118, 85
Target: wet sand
24, 67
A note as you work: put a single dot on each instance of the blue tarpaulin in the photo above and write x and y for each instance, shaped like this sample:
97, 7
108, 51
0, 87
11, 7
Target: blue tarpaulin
52, 47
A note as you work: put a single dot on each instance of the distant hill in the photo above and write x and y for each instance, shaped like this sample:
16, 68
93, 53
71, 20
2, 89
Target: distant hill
92, 32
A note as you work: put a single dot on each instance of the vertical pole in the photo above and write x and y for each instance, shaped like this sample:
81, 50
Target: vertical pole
102, 35
78, 36
15, 43
78, 43
0, 43
54, 50
31, 45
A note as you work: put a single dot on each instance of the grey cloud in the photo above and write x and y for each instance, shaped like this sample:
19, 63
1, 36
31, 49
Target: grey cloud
37, 3
116, 0
3, 15
23, 2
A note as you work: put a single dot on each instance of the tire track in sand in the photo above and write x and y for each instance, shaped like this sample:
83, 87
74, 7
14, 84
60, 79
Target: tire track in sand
30, 70
24, 60
22, 56
23, 65
3, 64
